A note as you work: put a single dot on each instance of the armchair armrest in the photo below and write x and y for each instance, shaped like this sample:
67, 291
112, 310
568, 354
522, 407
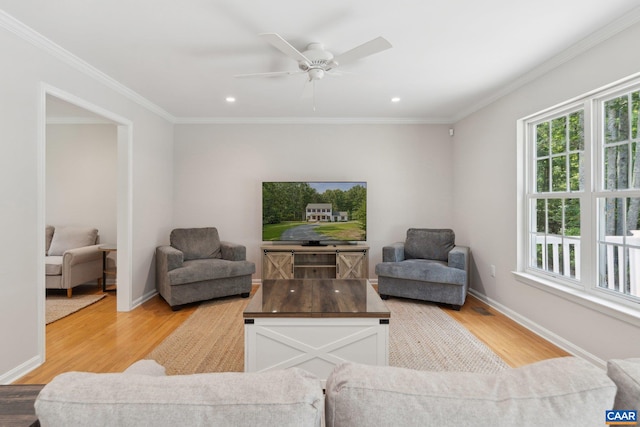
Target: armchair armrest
81, 255
233, 251
393, 252
459, 258
168, 258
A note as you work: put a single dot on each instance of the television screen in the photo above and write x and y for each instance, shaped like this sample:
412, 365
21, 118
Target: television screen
314, 212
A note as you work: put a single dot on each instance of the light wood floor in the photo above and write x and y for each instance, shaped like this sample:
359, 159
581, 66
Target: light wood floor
99, 339
515, 344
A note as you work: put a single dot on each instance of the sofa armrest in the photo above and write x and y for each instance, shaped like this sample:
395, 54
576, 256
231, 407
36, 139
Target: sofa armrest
81, 255
168, 258
233, 251
393, 252
459, 258
626, 374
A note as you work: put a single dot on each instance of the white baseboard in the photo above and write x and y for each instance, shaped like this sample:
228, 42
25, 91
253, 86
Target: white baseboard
21, 370
541, 331
144, 298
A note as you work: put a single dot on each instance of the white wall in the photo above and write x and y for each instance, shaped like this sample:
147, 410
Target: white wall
485, 198
81, 177
24, 69
219, 171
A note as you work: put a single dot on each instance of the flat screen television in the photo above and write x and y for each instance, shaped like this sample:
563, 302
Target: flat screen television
314, 212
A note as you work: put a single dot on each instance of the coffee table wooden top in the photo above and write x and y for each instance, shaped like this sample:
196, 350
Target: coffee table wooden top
316, 298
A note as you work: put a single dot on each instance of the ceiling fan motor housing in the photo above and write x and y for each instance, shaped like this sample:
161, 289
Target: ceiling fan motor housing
321, 61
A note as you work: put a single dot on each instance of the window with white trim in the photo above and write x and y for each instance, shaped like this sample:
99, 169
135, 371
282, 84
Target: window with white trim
581, 199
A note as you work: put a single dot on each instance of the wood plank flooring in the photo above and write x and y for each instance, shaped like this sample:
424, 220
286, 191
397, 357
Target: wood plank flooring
514, 343
99, 339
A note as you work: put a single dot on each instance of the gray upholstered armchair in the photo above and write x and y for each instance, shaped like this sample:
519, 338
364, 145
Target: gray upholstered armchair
197, 266
427, 266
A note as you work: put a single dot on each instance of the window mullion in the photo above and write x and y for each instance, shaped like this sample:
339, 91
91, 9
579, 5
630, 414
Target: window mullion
588, 204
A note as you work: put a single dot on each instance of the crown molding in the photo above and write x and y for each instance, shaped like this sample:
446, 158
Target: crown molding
573, 51
23, 31
78, 121
11, 24
309, 120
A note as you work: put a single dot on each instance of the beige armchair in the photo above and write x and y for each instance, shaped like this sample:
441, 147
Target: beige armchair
72, 257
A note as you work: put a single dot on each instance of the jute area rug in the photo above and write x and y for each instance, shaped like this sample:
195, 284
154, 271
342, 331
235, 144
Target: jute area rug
421, 337
59, 306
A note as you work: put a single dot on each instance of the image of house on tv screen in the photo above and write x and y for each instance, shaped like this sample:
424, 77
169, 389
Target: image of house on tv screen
314, 211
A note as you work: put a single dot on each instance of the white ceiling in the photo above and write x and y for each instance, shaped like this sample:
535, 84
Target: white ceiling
448, 57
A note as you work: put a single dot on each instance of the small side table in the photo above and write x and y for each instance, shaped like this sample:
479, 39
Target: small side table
106, 249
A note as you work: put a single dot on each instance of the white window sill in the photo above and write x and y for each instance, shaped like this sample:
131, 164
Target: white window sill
618, 311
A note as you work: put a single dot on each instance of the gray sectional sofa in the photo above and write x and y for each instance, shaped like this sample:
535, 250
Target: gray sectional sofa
564, 391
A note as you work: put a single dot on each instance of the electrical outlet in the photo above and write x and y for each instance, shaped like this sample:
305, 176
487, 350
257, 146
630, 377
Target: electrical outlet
492, 270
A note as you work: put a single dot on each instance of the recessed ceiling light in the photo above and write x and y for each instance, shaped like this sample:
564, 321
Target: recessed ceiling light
230, 99
395, 99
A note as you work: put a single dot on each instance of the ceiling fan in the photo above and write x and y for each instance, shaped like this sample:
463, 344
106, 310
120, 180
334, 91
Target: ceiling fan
315, 60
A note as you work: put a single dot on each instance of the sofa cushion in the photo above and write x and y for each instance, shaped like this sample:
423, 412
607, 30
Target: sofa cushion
626, 374
53, 265
422, 270
558, 392
65, 238
48, 235
426, 243
197, 243
197, 270
291, 397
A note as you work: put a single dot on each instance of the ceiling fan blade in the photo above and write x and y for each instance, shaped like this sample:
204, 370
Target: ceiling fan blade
369, 48
271, 74
283, 46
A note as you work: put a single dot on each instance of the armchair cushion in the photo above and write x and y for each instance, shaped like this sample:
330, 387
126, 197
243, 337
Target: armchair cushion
197, 270
66, 238
197, 243
53, 266
423, 271
425, 243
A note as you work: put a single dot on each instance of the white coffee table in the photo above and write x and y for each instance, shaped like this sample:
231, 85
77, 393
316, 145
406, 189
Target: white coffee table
315, 324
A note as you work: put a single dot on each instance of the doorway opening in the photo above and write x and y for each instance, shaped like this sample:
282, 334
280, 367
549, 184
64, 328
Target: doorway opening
61, 108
